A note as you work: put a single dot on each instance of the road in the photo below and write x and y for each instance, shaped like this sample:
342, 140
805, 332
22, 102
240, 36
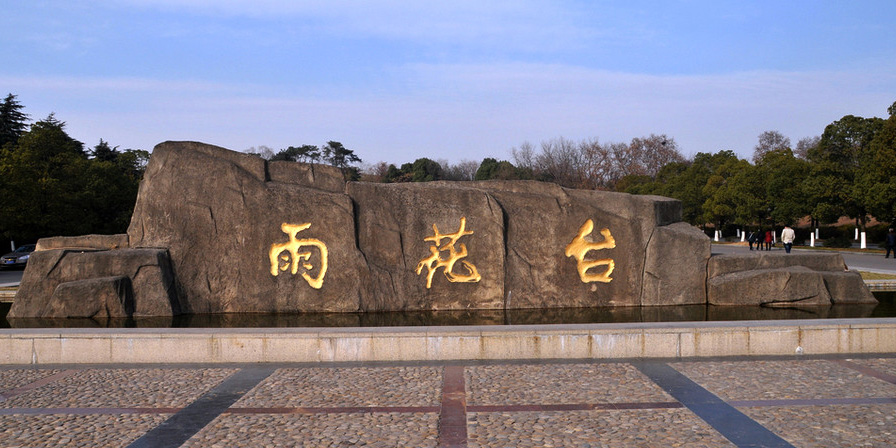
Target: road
9, 277
854, 260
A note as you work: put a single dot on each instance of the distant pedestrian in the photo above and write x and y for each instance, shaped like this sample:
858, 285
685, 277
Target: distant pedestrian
891, 243
787, 237
768, 239
752, 240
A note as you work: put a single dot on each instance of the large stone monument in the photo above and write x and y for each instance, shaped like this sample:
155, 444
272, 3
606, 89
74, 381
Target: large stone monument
218, 231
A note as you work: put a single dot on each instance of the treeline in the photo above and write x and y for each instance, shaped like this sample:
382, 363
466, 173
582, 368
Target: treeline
51, 185
588, 164
849, 170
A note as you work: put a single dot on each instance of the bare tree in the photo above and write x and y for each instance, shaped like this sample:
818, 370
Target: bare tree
769, 141
463, 170
524, 156
265, 152
597, 164
561, 162
804, 145
374, 173
654, 152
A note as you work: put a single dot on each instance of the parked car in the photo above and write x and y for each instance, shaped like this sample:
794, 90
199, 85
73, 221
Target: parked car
18, 257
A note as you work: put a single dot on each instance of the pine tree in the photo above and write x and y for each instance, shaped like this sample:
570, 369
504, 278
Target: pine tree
13, 122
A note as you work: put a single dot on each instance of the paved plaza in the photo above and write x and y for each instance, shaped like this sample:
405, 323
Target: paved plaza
769, 402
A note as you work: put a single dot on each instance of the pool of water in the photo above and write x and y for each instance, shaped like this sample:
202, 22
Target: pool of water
682, 313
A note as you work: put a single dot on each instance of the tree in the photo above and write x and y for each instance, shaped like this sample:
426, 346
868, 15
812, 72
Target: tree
103, 152
13, 122
341, 157
784, 176
649, 154
304, 154
46, 170
463, 170
805, 145
493, 169
265, 152
840, 155
769, 141
876, 184
58, 190
423, 170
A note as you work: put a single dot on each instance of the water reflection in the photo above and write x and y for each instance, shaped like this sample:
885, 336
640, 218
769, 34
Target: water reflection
682, 313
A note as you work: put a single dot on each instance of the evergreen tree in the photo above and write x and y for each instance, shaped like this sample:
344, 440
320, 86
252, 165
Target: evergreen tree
13, 122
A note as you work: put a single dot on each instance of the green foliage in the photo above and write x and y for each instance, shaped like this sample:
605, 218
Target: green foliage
838, 240
335, 154
304, 153
13, 121
493, 169
422, 170
875, 184
52, 188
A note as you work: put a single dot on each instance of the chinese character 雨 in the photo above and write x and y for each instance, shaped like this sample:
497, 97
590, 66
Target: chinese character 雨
286, 255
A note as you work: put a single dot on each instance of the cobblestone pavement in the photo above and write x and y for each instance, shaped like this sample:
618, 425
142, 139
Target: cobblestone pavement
774, 402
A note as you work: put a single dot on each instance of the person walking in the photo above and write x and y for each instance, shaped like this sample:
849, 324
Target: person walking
787, 237
752, 240
768, 239
891, 243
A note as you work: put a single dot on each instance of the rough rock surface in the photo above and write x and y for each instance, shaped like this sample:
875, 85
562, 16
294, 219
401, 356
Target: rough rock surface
102, 297
847, 287
674, 266
781, 279
817, 261
95, 242
217, 231
795, 285
543, 219
396, 230
220, 215
148, 270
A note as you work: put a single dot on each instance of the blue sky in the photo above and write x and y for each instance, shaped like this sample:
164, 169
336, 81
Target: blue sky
456, 80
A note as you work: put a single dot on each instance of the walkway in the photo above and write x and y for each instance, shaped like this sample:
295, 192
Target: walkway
744, 402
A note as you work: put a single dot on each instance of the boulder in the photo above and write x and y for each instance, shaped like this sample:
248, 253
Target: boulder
91, 242
320, 177
222, 216
674, 271
148, 271
817, 261
847, 287
781, 278
542, 220
429, 246
217, 231
102, 297
795, 285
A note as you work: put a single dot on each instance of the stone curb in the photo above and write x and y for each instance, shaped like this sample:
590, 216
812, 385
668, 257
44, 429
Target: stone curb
881, 285
581, 341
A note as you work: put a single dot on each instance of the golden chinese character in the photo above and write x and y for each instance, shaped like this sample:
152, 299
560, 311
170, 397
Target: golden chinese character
580, 246
434, 261
286, 255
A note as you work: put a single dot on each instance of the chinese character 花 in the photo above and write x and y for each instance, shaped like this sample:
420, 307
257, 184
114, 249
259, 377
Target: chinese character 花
455, 254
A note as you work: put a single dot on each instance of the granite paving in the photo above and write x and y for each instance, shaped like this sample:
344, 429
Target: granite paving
790, 401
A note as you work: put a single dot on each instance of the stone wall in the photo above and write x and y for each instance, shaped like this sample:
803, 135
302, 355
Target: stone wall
233, 233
